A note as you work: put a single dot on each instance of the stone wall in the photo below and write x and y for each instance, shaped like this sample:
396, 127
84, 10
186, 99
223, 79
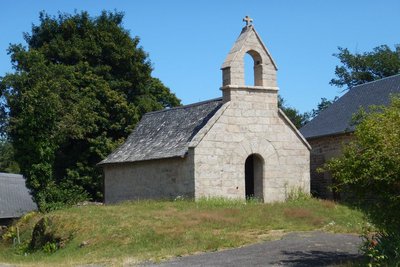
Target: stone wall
250, 123
323, 149
151, 179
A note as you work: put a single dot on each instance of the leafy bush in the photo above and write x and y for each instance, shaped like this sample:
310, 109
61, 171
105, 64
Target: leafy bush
370, 170
382, 249
50, 247
11, 232
61, 196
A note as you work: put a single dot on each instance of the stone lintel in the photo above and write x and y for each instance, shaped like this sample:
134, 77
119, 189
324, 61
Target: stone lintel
249, 88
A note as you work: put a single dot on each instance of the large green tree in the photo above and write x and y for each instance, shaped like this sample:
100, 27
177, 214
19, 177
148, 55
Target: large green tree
359, 68
78, 89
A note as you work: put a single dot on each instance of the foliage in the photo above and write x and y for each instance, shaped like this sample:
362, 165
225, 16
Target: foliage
3, 118
382, 249
370, 167
293, 114
325, 103
78, 89
132, 232
7, 161
298, 119
16, 236
297, 194
366, 67
46, 238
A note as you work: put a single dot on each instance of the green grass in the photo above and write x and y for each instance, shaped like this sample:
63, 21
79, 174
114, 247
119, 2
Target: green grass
155, 230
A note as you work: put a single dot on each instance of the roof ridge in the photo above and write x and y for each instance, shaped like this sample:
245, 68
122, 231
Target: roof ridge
185, 106
337, 118
10, 175
384, 78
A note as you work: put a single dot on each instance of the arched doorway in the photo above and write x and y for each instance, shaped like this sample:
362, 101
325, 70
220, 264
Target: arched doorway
254, 167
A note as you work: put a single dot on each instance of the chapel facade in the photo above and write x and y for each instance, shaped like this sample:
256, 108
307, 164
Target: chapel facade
238, 146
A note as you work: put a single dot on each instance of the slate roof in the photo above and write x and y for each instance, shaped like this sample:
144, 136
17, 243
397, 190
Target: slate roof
15, 199
164, 134
336, 119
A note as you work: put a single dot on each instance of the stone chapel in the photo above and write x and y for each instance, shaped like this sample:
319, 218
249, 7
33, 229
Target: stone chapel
238, 146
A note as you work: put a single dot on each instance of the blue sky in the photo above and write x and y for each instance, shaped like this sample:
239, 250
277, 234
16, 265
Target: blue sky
187, 41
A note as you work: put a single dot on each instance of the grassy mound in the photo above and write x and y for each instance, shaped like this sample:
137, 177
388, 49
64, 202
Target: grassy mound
154, 230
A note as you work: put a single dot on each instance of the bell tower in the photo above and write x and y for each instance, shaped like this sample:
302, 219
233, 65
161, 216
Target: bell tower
233, 67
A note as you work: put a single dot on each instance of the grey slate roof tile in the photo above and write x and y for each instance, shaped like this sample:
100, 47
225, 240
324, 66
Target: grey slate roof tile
164, 134
15, 199
337, 118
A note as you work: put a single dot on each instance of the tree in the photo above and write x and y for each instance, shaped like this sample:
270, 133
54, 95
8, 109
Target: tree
370, 168
79, 88
359, 68
7, 162
293, 114
324, 104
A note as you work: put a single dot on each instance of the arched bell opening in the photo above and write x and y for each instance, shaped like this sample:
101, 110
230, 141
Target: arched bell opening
253, 68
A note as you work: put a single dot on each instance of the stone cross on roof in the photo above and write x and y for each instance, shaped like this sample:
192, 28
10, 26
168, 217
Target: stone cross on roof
248, 20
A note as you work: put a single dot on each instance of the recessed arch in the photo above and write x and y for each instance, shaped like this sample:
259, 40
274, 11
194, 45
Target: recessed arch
254, 177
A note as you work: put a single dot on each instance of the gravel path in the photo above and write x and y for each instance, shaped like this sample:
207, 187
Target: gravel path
294, 249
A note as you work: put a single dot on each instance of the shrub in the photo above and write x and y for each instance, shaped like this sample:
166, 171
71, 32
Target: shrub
382, 249
370, 170
46, 238
58, 197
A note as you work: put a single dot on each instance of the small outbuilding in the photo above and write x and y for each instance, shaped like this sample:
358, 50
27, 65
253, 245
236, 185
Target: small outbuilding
238, 146
334, 127
15, 199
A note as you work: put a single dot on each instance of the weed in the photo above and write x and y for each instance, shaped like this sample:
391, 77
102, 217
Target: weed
297, 194
50, 247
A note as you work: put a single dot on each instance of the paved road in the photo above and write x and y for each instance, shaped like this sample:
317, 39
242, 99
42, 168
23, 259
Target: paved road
294, 249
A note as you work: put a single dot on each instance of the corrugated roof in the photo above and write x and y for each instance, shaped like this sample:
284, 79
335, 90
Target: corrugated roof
337, 118
165, 133
15, 199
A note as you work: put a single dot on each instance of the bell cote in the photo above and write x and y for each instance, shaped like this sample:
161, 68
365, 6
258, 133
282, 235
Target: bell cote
264, 66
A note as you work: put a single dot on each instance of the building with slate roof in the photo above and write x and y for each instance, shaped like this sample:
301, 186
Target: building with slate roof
333, 127
15, 199
237, 146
